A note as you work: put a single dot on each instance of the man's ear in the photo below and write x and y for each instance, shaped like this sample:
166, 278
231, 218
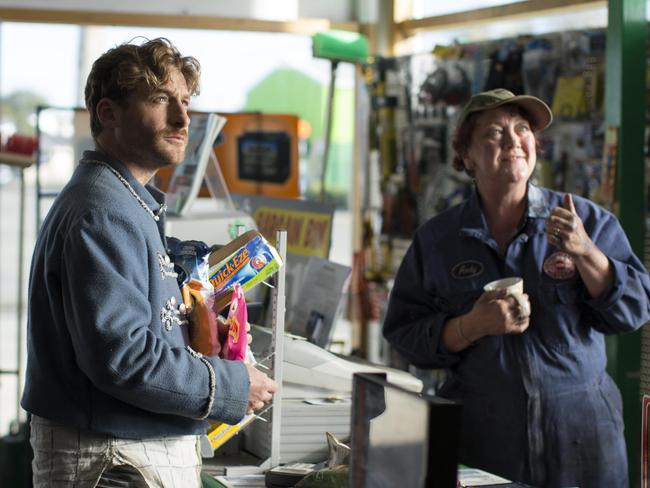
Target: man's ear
108, 113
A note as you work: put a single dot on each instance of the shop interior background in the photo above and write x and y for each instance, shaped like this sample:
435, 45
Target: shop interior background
46, 64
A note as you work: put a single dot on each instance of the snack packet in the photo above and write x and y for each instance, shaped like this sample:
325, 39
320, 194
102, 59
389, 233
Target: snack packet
236, 342
235, 347
191, 265
203, 327
247, 260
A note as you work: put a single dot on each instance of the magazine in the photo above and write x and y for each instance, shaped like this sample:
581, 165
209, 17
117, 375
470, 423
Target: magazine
471, 477
187, 178
316, 295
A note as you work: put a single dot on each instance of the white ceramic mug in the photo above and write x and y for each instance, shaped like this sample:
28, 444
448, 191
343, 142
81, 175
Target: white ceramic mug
515, 287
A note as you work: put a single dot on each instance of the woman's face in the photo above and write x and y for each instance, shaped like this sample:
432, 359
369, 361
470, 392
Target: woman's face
502, 149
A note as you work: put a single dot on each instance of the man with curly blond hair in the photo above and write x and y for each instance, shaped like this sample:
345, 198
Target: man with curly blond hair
116, 395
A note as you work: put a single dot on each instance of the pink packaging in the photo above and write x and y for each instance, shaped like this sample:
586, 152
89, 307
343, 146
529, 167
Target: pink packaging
237, 340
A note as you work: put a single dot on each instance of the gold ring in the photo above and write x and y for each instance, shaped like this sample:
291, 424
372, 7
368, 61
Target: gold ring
557, 232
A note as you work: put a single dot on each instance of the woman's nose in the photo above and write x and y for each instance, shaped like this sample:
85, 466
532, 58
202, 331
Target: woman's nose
511, 138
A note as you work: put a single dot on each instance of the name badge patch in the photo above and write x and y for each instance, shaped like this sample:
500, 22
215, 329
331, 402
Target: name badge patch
467, 269
560, 266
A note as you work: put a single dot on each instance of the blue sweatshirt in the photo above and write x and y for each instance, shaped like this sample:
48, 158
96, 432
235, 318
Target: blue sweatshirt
106, 345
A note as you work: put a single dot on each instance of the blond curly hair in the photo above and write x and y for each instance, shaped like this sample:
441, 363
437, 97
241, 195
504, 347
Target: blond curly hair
120, 70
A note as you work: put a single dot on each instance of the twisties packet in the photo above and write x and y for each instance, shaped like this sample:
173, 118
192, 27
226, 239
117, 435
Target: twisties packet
236, 343
247, 260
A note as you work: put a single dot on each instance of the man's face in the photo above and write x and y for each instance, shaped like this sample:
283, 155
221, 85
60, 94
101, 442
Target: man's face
153, 127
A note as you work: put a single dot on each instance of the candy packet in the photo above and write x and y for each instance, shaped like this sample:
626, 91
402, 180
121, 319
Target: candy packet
236, 342
235, 347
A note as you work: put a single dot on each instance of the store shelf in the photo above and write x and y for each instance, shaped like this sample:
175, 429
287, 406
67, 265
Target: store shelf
17, 160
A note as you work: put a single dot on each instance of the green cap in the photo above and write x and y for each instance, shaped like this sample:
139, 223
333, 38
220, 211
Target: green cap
539, 112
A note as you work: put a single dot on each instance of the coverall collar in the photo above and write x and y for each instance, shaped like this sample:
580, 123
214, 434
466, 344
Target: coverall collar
473, 220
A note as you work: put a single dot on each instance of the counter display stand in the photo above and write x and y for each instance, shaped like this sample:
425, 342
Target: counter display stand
234, 465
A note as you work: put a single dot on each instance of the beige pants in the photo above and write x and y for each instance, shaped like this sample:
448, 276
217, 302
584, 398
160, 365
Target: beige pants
74, 458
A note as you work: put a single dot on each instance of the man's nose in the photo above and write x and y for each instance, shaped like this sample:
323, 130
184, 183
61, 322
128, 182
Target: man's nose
179, 115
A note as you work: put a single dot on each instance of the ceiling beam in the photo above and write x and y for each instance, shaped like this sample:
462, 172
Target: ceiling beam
502, 12
181, 21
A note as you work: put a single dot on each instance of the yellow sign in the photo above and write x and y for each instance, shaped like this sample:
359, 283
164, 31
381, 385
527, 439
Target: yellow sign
308, 233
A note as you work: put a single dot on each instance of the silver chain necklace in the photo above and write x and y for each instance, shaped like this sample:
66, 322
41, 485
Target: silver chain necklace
156, 215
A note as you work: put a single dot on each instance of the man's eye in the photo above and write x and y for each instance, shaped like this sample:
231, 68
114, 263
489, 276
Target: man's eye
160, 99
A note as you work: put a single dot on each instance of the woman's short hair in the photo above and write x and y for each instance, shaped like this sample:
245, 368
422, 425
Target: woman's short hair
120, 70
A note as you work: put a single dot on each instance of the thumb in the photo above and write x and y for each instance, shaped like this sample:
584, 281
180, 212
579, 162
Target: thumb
568, 203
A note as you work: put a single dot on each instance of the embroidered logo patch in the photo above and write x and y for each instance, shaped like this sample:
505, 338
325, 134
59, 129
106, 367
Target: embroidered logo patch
560, 266
166, 267
467, 269
170, 314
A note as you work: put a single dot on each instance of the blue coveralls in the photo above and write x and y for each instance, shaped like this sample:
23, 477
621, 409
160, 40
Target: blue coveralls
537, 407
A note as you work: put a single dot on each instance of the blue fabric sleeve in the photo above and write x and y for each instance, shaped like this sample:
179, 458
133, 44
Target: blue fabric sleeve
625, 306
413, 323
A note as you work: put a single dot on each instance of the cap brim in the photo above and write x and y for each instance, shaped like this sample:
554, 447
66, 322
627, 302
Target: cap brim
539, 112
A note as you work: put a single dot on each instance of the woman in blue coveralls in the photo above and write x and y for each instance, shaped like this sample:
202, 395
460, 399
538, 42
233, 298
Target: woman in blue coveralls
538, 406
